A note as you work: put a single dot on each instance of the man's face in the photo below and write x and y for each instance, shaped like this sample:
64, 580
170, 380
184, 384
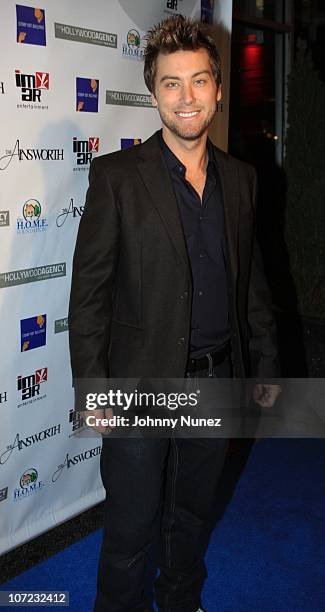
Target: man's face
185, 93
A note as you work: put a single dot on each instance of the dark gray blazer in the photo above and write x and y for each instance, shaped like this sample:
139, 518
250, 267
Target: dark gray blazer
130, 303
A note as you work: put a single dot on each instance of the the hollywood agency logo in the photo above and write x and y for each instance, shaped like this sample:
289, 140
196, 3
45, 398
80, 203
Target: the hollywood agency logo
29, 155
32, 85
3, 397
31, 220
28, 484
3, 494
33, 332
70, 462
76, 421
30, 386
132, 47
87, 91
75, 212
84, 150
22, 443
30, 25
126, 143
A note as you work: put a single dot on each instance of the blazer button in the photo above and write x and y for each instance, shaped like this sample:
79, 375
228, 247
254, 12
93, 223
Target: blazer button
181, 340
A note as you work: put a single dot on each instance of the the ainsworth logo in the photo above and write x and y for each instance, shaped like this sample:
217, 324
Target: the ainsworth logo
30, 386
72, 211
20, 444
30, 25
28, 484
132, 48
29, 155
32, 332
87, 91
31, 220
128, 98
30, 275
4, 218
70, 462
85, 35
84, 150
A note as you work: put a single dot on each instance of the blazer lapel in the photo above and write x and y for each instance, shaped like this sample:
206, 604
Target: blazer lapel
230, 190
156, 178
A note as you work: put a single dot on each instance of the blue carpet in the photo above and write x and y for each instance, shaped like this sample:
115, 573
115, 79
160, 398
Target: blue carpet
266, 554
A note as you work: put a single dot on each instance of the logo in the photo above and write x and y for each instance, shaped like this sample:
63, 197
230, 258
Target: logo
75, 212
28, 484
84, 150
127, 98
61, 325
30, 275
31, 221
23, 443
172, 5
76, 420
3, 494
70, 462
29, 155
30, 386
207, 11
4, 218
3, 397
30, 25
126, 143
132, 47
87, 95
32, 86
85, 35
33, 332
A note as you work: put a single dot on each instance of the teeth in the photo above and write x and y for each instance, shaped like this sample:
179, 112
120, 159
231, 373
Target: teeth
188, 114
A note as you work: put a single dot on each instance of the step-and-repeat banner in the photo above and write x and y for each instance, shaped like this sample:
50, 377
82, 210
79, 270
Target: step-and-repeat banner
71, 88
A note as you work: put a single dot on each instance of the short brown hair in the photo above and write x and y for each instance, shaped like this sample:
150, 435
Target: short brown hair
178, 33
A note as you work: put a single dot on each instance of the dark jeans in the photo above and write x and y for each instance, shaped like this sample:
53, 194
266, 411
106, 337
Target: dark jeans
170, 482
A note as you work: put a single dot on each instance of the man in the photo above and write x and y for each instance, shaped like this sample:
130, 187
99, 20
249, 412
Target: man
167, 282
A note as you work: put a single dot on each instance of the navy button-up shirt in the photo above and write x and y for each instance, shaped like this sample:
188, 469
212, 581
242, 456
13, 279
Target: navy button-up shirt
204, 231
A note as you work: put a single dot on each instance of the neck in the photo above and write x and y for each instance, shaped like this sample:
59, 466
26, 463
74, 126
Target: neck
192, 153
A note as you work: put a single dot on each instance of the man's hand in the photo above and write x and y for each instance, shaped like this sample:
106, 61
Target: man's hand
266, 395
99, 414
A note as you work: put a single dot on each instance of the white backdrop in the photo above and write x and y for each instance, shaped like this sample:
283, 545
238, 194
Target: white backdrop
55, 58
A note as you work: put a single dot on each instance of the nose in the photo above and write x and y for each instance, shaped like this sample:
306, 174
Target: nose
187, 94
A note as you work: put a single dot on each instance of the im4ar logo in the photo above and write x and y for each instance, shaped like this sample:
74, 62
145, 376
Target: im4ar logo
32, 85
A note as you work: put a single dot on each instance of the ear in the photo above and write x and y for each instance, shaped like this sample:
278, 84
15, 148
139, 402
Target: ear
219, 93
154, 100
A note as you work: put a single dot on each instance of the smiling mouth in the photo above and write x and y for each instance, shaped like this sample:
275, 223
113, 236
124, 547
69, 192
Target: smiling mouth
187, 115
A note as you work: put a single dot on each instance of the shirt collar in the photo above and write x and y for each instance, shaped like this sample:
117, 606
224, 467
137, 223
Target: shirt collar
174, 164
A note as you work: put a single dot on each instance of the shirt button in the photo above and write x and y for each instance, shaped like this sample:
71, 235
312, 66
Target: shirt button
200, 292
201, 217
201, 255
181, 340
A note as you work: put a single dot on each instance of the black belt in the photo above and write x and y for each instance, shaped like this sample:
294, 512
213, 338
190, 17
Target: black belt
203, 363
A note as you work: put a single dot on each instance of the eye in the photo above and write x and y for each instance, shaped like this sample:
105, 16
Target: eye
171, 84
200, 82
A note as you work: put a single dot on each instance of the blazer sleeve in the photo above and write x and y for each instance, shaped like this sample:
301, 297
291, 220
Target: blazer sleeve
263, 339
94, 264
